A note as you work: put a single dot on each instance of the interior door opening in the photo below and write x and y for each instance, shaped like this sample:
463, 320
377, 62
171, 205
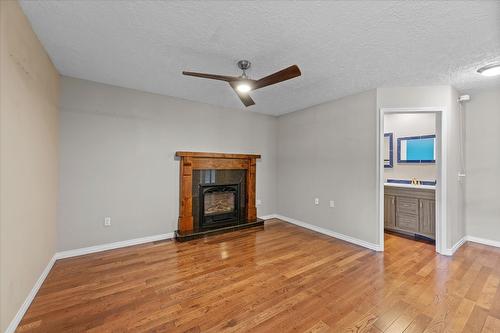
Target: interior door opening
411, 174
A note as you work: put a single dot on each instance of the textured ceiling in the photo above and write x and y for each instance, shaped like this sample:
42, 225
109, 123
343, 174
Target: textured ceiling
341, 47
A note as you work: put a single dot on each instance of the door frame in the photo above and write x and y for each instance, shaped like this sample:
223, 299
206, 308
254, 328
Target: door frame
441, 138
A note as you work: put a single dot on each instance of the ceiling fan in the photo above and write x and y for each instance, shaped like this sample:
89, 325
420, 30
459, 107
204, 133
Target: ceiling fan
242, 85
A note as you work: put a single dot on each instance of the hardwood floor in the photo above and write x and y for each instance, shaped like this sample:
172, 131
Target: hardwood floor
278, 278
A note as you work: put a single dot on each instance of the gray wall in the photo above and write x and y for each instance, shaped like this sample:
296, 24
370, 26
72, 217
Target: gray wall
117, 158
456, 188
445, 96
29, 118
404, 125
483, 164
329, 151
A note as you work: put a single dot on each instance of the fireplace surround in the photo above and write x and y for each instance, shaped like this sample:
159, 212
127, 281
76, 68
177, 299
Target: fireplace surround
216, 193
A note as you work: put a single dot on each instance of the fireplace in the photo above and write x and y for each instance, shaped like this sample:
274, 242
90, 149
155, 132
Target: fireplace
219, 205
216, 193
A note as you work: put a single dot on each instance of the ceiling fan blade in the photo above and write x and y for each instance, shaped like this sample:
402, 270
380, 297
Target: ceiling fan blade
283, 75
212, 76
244, 97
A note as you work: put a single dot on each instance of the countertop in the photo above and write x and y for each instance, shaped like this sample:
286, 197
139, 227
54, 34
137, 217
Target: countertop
427, 187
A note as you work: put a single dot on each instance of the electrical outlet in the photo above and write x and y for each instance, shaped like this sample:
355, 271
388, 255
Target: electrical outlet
332, 204
107, 221
316, 201
258, 202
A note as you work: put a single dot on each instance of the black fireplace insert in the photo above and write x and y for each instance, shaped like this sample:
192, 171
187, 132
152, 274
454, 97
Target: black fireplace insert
219, 204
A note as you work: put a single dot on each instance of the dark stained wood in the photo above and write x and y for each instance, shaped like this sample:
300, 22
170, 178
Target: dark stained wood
203, 160
215, 155
212, 76
279, 278
280, 76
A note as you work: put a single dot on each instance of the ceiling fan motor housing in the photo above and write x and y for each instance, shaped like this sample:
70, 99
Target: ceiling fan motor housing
244, 64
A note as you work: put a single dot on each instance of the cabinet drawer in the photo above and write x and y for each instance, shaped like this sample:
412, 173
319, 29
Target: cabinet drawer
407, 221
407, 205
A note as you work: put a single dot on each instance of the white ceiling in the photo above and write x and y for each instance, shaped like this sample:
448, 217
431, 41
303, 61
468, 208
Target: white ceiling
341, 47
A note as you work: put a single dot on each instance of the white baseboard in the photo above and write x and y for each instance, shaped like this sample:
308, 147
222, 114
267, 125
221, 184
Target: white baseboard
454, 248
268, 217
483, 241
27, 302
331, 233
111, 246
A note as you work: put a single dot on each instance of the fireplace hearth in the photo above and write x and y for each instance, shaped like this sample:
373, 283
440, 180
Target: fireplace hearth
217, 193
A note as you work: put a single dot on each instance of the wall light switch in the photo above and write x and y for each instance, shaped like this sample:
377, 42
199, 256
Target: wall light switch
258, 202
107, 221
332, 204
316, 201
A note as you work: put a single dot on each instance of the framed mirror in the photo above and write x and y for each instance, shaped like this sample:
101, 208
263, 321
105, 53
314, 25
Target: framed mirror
417, 149
388, 150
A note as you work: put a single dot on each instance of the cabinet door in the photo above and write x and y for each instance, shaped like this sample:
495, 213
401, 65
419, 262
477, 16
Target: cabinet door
427, 217
389, 211
407, 213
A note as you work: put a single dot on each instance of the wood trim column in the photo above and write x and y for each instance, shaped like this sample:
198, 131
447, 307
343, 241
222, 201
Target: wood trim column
185, 195
250, 195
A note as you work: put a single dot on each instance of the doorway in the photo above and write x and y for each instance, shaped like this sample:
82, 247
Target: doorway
400, 155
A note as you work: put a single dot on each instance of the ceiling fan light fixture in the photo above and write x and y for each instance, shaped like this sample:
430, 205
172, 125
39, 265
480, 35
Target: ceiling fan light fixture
243, 87
490, 70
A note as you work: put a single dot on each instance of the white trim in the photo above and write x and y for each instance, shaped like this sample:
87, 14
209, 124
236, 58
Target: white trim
268, 217
330, 233
450, 252
483, 241
441, 186
27, 302
111, 246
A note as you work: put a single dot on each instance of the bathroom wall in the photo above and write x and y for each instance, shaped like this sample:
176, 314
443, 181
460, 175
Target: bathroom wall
404, 125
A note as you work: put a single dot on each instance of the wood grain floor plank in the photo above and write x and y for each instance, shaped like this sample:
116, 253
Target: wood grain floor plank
279, 278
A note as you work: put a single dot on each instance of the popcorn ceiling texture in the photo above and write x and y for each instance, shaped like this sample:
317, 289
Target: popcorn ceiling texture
342, 47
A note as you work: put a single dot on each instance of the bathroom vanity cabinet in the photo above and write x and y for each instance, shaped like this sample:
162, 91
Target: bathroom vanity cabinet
410, 210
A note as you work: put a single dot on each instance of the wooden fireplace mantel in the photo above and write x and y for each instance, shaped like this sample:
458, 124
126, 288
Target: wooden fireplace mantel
190, 161
214, 155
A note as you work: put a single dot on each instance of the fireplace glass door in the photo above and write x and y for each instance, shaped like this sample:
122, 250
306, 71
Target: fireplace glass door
219, 204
